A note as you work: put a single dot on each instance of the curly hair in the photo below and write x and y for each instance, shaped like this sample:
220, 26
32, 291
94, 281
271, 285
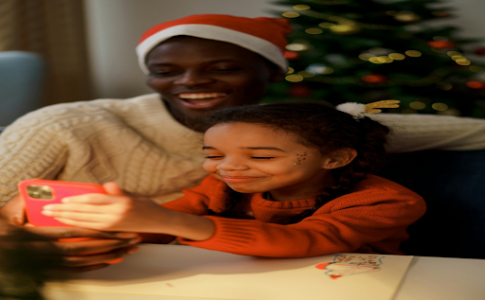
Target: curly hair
315, 125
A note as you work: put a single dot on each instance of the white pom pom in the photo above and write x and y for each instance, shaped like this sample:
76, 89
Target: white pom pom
355, 109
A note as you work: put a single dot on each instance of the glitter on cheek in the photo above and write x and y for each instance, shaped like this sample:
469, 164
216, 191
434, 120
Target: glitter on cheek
299, 158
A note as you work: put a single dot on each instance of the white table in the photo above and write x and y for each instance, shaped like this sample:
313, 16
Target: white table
427, 278
436, 278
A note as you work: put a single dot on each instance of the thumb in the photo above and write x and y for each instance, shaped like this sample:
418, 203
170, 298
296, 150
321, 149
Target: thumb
112, 188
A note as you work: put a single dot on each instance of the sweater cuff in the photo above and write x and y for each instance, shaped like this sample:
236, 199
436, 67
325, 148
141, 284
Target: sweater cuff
231, 235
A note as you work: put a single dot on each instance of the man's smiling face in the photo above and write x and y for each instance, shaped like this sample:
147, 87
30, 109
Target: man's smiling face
196, 76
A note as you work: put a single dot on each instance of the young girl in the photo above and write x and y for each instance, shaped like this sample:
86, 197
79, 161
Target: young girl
286, 180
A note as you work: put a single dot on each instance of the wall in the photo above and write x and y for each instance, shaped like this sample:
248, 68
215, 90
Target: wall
114, 27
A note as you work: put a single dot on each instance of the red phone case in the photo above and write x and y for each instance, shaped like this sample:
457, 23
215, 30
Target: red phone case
39, 192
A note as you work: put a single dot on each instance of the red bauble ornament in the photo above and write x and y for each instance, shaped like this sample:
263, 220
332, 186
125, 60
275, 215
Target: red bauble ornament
290, 55
476, 85
480, 51
374, 78
299, 90
441, 44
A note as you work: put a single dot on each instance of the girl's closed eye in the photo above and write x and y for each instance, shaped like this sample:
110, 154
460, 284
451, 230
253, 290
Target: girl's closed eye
213, 156
262, 157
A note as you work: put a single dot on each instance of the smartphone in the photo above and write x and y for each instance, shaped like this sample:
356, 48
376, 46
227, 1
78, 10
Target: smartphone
37, 193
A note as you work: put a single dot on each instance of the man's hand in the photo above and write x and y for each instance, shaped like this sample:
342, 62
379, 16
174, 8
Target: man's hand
13, 211
83, 255
90, 252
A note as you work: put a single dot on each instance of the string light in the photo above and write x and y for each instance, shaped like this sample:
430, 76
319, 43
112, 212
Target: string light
397, 56
294, 78
418, 105
407, 17
379, 51
366, 56
476, 69
290, 14
301, 7
413, 53
453, 53
320, 69
296, 47
345, 28
313, 30
326, 25
439, 106
385, 59
463, 61
375, 60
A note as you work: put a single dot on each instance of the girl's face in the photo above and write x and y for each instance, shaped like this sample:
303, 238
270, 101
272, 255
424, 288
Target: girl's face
254, 158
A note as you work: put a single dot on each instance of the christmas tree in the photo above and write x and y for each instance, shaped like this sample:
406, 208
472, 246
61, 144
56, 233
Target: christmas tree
369, 50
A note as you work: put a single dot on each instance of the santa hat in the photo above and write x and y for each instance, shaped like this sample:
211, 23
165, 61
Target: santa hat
265, 36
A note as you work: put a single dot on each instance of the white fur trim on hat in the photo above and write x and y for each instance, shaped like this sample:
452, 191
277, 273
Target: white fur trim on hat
355, 109
258, 45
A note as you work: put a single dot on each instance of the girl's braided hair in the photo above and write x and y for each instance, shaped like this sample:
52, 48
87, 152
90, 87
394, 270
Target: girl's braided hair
315, 125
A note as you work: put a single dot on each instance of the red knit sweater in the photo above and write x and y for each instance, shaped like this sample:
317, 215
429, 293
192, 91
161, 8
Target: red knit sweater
372, 219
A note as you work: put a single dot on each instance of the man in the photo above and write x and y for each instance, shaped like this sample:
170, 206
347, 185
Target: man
149, 145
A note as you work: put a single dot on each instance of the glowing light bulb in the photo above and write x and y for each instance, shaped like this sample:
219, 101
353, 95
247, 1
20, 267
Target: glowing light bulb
290, 14
294, 78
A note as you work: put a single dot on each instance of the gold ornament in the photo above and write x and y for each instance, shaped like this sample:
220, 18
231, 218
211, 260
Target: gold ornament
374, 107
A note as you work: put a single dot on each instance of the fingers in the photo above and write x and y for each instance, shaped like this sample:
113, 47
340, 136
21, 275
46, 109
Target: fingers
89, 219
55, 233
112, 188
77, 207
92, 224
93, 199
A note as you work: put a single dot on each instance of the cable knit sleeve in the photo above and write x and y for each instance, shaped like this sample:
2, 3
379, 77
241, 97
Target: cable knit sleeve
32, 147
348, 225
423, 132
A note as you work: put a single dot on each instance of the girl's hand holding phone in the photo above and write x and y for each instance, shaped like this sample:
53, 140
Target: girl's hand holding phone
116, 211
113, 211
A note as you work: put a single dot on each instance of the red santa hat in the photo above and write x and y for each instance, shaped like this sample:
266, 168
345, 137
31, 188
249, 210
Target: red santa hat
265, 36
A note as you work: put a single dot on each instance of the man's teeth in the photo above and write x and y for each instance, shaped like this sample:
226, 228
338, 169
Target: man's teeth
201, 96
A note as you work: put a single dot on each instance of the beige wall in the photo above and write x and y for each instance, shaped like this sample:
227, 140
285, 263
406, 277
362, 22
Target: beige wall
114, 27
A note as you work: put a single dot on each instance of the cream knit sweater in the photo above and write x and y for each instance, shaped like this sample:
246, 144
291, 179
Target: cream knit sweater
136, 143
133, 142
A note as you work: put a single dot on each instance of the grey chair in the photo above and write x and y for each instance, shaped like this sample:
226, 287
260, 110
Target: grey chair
22, 76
